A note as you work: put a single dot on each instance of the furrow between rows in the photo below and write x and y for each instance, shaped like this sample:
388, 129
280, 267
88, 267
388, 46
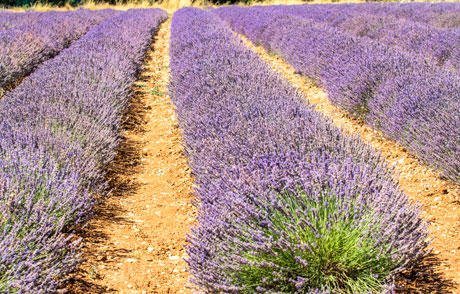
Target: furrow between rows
135, 241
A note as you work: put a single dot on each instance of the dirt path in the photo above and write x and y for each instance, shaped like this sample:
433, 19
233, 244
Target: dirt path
441, 200
135, 241
11, 87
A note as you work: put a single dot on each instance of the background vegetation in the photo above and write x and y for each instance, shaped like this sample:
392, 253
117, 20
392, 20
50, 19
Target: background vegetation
58, 2
31, 3
50, 4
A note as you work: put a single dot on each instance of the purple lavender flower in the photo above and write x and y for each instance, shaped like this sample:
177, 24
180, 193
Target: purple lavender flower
59, 129
408, 98
24, 47
266, 164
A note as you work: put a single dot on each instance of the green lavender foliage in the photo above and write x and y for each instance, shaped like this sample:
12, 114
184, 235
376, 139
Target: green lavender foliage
340, 253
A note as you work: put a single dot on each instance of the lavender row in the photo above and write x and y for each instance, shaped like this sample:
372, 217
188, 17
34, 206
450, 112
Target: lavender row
281, 192
441, 15
23, 48
58, 131
411, 102
10, 20
439, 46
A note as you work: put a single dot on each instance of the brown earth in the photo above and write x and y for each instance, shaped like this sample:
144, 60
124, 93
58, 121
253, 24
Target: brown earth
10, 87
440, 272
135, 241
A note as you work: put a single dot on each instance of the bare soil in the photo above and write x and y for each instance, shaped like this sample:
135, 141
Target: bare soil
11, 86
440, 272
135, 241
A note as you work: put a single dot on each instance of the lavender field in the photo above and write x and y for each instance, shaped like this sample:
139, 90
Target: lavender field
59, 129
285, 200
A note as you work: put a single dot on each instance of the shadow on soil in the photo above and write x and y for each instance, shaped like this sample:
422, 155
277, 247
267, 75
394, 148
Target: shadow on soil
127, 163
424, 279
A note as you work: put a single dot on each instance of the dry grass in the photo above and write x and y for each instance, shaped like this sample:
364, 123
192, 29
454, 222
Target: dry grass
296, 2
168, 5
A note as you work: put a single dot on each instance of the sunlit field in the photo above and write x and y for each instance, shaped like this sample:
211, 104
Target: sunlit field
183, 147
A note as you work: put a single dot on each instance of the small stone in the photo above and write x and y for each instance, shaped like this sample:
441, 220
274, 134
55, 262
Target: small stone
174, 258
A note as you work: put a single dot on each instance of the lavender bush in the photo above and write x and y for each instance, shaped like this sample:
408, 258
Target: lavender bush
58, 131
368, 80
24, 47
287, 202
